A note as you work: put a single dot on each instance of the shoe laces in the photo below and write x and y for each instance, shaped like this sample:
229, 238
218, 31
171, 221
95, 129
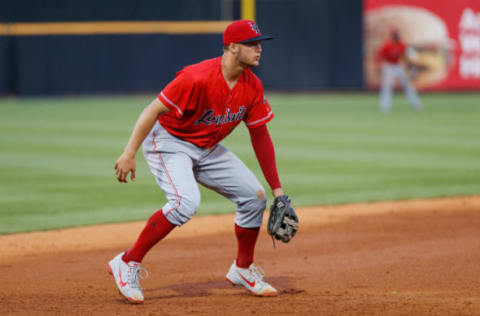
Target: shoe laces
136, 271
257, 273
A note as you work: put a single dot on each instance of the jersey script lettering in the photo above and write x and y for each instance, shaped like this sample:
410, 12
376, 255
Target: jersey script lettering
209, 117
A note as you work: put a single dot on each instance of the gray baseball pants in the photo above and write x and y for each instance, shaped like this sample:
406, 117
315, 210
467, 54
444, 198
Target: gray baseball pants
179, 165
390, 72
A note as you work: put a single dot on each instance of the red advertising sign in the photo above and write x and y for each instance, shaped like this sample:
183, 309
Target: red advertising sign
443, 37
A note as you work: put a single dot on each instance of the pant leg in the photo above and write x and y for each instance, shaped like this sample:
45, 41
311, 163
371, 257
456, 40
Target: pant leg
172, 167
223, 172
410, 91
386, 89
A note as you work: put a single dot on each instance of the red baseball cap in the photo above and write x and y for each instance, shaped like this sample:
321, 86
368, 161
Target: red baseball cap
243, 31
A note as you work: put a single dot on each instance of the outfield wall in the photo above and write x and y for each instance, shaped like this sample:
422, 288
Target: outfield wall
318, 44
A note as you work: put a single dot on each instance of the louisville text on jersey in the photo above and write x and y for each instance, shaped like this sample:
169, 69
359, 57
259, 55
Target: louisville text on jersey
208, 117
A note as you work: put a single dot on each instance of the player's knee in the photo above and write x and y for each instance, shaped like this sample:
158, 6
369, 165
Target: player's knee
258, 202
250, 212
185, 209
262, 200
189, 205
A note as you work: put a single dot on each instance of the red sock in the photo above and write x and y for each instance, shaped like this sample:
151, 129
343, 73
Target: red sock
247, 238
156, 229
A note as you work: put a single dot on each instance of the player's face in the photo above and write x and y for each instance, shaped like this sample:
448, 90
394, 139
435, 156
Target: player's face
249, 53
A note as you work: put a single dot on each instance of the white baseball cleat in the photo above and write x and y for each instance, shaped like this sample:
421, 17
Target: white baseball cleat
126, 278
251, 279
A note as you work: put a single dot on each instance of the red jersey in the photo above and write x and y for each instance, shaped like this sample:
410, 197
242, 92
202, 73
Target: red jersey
392, 51
204, 110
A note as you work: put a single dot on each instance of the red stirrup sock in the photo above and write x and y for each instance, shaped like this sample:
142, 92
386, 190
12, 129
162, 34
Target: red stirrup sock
156, 229
247, 238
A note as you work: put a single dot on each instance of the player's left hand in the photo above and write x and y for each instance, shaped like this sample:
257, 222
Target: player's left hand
125, 165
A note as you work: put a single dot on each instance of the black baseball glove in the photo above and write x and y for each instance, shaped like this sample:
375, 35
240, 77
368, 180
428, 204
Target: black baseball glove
283, 221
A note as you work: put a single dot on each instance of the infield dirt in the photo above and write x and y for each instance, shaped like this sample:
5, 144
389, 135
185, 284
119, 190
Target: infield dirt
417, 257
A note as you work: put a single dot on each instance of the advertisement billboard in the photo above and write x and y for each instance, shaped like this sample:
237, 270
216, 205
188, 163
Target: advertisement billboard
443, 39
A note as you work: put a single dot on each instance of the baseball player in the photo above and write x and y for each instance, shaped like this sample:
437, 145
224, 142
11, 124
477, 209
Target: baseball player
391, 54
180, 131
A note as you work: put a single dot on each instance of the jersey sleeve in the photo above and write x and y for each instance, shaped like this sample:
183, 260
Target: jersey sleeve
179, 93
263, 147
260, 113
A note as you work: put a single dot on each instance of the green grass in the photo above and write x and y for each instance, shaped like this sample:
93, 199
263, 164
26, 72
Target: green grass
57, 155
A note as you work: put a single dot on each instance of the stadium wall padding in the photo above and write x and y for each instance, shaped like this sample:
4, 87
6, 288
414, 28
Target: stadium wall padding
109, 10
317, 45
5, 64
106, 63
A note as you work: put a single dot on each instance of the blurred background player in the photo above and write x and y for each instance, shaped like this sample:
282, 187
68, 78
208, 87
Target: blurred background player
181, 130
392, 56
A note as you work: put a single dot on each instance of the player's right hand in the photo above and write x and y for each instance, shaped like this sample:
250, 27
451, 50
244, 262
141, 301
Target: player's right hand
125, 165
